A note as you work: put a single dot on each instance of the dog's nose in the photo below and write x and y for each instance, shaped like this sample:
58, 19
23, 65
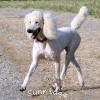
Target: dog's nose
29, 31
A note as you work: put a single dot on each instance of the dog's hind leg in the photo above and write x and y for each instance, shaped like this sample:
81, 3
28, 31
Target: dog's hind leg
79, 72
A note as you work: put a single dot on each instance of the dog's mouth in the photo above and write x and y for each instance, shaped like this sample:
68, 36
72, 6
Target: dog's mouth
35, 33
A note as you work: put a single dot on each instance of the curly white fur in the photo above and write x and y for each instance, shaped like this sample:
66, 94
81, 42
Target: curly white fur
50, 27
80, 17
43, 25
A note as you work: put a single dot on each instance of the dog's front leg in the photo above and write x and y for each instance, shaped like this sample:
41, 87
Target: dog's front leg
29, 74
57, 86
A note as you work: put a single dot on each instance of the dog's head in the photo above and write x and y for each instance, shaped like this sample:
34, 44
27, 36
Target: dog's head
40, 25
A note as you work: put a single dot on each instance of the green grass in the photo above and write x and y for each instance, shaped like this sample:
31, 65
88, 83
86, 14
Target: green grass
55, 5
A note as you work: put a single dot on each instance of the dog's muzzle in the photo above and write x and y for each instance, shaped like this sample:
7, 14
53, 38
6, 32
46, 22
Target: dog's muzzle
34, 32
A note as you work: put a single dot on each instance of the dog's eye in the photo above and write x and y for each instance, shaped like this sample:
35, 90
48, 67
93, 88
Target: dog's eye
30, 22
36, 22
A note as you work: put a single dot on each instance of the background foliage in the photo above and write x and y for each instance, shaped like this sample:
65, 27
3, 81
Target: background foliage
55, 5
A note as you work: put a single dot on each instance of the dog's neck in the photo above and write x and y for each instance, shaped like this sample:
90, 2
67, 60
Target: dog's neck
41, 37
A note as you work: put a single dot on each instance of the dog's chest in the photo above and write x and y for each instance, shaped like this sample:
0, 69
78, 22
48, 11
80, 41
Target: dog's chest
48, 53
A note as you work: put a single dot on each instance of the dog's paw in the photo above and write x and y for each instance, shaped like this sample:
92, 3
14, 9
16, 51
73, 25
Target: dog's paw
82, 84
54, 86
58, 89
22, 89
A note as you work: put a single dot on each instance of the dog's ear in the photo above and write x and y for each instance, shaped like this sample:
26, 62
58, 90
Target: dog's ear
50, 27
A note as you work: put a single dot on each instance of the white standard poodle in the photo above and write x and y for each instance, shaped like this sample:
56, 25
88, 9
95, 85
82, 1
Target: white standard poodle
50, 41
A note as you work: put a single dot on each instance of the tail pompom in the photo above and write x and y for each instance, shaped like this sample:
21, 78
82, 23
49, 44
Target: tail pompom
79, 18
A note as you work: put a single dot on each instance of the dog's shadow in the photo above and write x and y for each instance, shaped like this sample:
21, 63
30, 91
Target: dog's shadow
81, 88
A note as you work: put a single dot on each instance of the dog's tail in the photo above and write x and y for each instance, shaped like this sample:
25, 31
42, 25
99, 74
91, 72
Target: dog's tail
79, 18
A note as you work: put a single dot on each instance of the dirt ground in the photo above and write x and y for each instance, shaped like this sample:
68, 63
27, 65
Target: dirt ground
15, 58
